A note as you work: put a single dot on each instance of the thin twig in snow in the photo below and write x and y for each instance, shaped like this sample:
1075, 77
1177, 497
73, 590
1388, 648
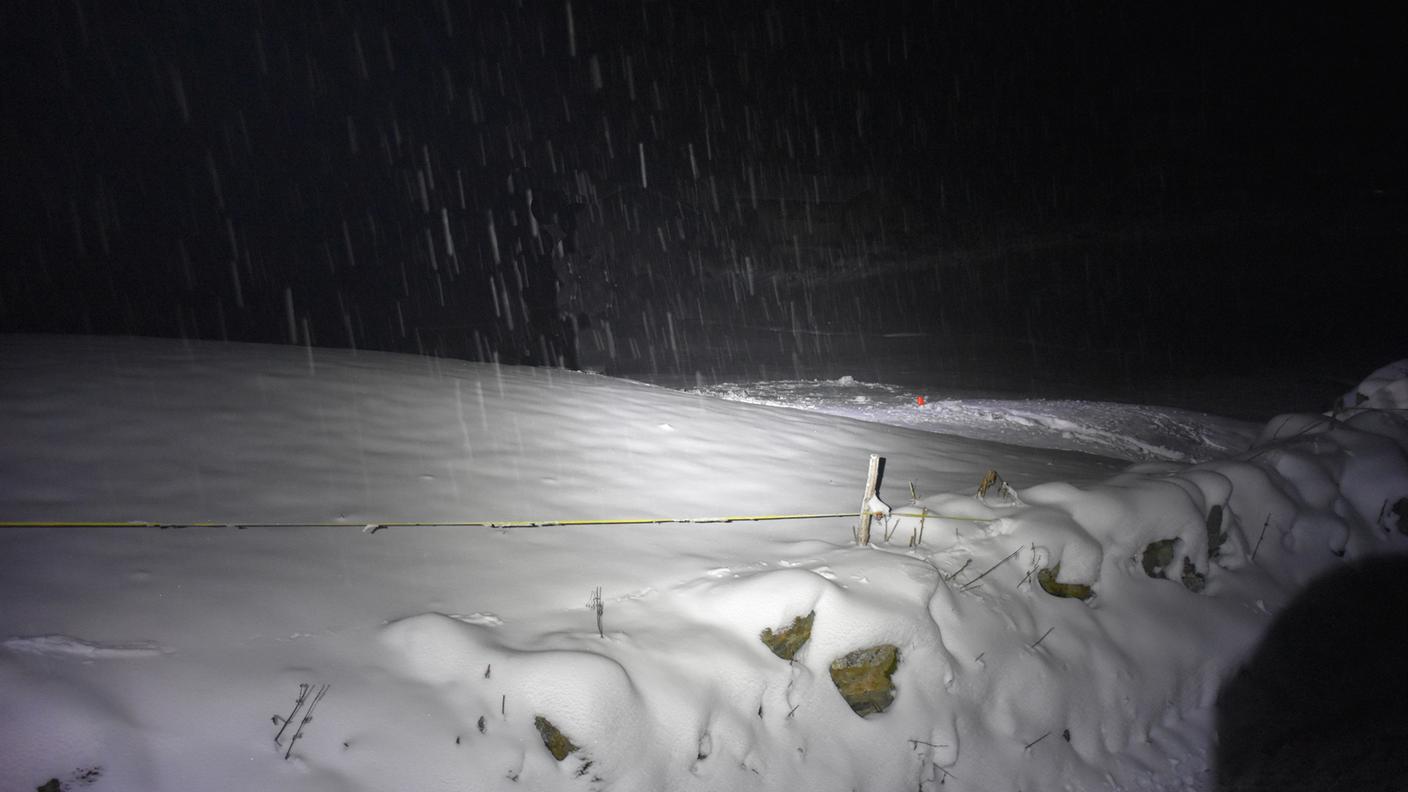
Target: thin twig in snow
307, 719
1042, 638
1262, 536
1030, 572
596, 604
303, 688
960, 570
975, 580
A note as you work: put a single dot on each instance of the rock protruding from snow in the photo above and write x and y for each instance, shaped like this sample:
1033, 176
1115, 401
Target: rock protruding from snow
557, 743
1047, 579
863, 678
788, 641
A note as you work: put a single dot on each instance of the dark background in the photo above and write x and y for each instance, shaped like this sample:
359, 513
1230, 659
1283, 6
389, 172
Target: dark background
1119, 200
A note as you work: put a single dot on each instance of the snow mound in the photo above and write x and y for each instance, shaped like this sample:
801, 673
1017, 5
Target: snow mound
681, 693
1385, 389
55, 728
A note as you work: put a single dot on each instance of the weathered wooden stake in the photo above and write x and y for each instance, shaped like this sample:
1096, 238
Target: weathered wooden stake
871, 479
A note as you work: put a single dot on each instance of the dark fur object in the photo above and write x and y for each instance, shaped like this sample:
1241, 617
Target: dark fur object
1323, 702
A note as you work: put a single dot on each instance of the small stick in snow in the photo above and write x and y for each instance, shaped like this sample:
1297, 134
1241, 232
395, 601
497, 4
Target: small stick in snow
1037, 740
792, 711
917, 743
975, 580
1042, 638
297, 705
487, 669
960, 570
596, 604
1031, 571
1263, 536
307, 719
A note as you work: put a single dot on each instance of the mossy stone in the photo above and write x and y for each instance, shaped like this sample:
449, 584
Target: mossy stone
558, 744
1049, 584
1193, 580
863, 678
1158, 556
788, 641
1158, 560
1216, 535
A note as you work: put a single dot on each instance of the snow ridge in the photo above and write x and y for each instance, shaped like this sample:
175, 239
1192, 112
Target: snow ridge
1123, 431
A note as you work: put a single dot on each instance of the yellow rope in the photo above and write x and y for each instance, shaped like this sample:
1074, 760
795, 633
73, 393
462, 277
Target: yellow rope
466, 524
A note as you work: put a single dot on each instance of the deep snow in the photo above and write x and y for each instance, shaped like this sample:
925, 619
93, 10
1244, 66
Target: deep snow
142, 658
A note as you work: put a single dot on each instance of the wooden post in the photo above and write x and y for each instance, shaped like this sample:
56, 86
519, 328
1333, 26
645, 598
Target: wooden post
871, 479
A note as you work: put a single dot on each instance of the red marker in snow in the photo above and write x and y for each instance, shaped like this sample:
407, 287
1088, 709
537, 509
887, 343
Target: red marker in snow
919, 400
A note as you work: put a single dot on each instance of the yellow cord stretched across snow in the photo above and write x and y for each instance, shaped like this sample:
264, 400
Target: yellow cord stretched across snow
376, 526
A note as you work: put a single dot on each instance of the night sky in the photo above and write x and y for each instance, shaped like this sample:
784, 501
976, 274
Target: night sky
1102, 194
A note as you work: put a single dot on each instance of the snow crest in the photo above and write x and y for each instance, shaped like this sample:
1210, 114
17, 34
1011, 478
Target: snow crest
68, 646
1123, 431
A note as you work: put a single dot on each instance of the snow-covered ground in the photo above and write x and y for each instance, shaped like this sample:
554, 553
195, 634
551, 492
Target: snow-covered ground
168, 659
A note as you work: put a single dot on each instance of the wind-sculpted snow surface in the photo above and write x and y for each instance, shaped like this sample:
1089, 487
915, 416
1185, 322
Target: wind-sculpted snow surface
999, 685
1124, 431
